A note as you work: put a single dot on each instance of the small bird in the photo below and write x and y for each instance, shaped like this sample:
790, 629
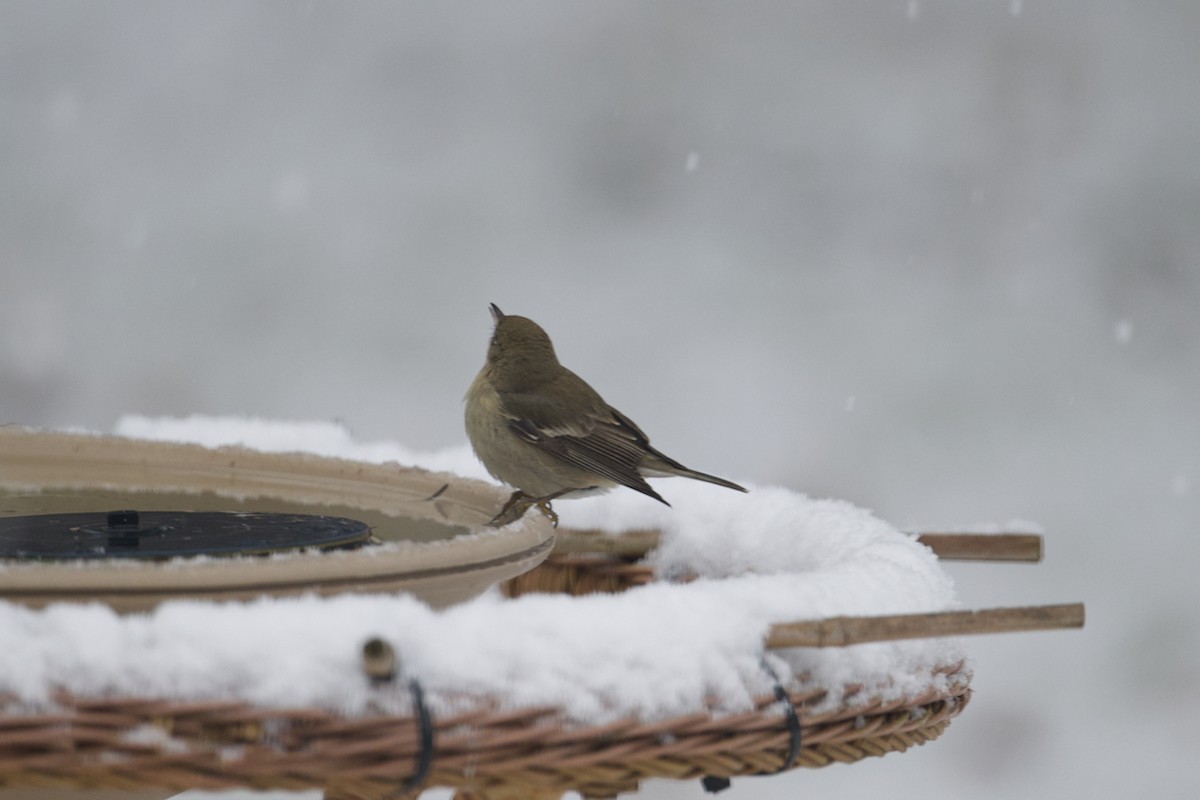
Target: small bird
541, 428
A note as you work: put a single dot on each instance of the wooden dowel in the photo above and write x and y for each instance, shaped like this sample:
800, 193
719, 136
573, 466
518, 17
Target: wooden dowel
984, 546
948, 546
841, 631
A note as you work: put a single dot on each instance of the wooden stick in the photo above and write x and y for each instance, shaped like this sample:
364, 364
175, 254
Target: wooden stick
841, 631
948, 546
984, 546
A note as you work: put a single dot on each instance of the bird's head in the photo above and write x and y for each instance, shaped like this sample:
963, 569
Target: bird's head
520, 355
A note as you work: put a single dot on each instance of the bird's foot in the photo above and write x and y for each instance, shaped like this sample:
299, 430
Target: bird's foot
514, 508
519, 503
543, 506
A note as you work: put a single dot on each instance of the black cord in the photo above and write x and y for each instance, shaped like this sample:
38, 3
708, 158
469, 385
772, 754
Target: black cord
790, 714
714, 784
381, 664
425, 722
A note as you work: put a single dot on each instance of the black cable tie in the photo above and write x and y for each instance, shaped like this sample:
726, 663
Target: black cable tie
425, 723
712, 784
381, 663
790, 714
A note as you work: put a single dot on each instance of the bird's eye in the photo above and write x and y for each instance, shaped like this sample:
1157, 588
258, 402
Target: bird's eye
495, 341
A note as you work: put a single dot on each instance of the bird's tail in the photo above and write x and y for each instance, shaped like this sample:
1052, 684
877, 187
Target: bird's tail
656, 464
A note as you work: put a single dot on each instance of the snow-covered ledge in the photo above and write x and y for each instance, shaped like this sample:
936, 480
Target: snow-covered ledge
652, 653
769, 556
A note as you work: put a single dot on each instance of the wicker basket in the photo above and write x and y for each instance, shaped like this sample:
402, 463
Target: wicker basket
580, 574
484, 750
135, 744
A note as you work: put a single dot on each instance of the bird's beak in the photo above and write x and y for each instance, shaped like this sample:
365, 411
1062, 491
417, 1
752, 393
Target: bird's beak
496, 312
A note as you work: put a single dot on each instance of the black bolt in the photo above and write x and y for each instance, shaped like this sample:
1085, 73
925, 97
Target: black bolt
125, 529
123, 519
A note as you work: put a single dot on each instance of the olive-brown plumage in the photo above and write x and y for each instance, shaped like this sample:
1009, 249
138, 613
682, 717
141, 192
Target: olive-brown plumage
541, 428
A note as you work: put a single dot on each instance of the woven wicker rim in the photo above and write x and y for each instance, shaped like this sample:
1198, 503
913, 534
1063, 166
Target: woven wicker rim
134, 743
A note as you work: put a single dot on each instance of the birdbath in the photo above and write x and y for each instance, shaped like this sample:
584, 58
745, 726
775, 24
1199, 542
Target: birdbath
134, 523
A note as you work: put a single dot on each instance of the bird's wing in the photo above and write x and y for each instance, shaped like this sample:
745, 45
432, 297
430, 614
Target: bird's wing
600, 440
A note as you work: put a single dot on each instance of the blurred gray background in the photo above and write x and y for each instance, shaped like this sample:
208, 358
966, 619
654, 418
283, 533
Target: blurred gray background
941, 259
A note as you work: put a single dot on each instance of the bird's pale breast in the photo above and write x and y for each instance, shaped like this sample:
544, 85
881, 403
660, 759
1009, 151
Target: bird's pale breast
512, 460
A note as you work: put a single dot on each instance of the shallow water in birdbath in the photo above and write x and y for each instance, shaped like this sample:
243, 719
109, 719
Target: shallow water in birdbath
384, 527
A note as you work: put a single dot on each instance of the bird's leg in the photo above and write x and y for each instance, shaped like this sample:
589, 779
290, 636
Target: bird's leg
514, 508
543, 505
519, 503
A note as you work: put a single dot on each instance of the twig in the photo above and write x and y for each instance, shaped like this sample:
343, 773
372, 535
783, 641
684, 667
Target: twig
841, 631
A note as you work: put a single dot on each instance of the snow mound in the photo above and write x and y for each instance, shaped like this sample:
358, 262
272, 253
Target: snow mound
661, 650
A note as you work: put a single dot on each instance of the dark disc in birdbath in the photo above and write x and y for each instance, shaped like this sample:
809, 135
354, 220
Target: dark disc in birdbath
170, 534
